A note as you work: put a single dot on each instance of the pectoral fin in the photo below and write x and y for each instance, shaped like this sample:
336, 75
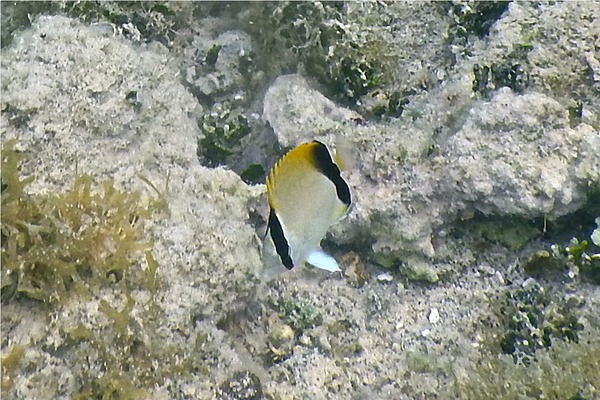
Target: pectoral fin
322, 260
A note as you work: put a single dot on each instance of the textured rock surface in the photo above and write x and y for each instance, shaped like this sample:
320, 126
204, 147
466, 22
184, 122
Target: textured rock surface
79, 99
78, 108
297, 112
224, 72
77, 116
517, 155
511, 154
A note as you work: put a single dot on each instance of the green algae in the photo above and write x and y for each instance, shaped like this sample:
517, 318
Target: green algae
474, 18
513, 75
10, 362
143, 20
539, 348
119, 318
512, 232
533, 318
418, 271
566, 370
223, 129
56, 245
573, 261
344, 49
300, 315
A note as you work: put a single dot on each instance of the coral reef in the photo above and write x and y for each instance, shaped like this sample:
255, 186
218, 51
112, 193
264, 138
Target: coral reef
469, 260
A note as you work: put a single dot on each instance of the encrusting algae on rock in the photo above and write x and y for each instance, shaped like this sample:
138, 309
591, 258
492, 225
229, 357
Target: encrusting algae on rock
10, 362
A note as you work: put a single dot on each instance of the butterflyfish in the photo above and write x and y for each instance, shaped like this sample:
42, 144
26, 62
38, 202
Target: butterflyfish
306, 195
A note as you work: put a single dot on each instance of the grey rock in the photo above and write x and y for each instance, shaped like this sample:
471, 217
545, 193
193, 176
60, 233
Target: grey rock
297, 112
75, 95
76, 91
517, 155
217, 66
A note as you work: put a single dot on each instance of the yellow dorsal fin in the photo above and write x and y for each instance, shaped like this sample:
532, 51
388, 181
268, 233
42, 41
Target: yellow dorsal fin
300, 157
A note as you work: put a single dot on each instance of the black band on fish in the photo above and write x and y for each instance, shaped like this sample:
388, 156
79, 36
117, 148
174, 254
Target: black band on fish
323, 162
279, 240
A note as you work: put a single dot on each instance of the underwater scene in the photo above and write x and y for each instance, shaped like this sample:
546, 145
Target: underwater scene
300, 200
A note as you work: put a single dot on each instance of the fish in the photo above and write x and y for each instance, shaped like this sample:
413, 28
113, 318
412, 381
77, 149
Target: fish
306, 194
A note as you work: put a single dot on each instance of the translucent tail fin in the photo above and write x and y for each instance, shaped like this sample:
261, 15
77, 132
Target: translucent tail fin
322, 260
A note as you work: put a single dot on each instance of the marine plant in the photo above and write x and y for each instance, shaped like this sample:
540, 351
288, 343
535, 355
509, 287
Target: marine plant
576, 257
533, 318
300, 315
9, 365
537, 348
513, 232
344, 47
58, 244
473, 17
91, 237
574, 261
143, 21
223, 128
513, 75
512, 71
567, 370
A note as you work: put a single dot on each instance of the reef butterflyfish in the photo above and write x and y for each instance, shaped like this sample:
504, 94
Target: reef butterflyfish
306, 194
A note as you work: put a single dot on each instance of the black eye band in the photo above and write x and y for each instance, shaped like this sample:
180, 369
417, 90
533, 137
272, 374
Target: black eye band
323, 162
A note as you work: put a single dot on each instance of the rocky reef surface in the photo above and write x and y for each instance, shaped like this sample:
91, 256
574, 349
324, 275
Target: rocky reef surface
469, 262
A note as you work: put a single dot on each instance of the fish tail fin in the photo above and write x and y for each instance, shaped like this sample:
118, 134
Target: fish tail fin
322, 260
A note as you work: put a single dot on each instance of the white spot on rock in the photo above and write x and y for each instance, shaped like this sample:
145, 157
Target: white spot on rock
434, 316
385, 277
